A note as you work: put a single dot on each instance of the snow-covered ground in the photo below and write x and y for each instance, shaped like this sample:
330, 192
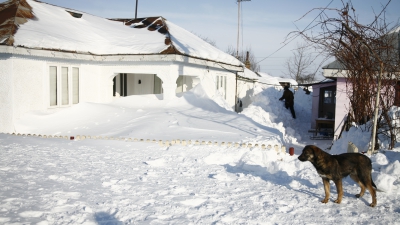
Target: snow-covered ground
92, 181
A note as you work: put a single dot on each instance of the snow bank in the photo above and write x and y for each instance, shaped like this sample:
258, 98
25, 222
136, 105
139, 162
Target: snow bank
98, 181
266, 109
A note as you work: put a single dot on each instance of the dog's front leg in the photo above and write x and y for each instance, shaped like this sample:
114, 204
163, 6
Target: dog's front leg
339, 189
327, 189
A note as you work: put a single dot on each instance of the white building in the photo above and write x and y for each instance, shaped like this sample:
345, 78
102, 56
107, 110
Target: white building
52, 57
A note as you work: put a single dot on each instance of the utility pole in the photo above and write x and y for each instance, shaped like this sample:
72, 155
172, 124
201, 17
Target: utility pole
237, 51
238, 34
136, 9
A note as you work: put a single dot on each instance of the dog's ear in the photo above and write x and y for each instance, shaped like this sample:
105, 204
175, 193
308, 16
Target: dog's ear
315, 150
318, 153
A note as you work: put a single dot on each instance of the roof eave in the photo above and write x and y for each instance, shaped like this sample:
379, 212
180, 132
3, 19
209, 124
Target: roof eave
87, 56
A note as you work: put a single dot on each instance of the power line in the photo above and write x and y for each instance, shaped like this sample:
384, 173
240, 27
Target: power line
271, 57
297, 34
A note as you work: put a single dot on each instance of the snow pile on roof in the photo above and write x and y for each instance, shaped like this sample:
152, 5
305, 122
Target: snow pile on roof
287, 80
268, 79
190, 44
56, 28
248, 74
395, 29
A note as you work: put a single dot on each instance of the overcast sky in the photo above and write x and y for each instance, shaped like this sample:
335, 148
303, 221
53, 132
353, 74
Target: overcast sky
265, 23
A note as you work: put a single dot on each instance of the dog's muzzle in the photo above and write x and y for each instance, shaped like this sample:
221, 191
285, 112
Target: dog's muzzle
302, 158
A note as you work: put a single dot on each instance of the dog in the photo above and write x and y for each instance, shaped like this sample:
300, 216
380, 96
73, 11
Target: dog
336, 167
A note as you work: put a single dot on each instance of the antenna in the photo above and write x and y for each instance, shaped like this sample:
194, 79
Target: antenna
136, 9
238, 36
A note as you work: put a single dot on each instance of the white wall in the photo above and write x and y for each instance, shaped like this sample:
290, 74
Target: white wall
342, 105
93, 85
6, 95
21, 89
146, 85
28, 85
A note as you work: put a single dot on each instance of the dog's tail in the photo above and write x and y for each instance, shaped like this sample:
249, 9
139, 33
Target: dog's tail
373, 185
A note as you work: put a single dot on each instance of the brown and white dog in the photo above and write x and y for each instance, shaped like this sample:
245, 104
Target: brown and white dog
336, 167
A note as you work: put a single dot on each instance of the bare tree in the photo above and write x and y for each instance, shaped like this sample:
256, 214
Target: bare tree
298, 66
370, 60
254, 66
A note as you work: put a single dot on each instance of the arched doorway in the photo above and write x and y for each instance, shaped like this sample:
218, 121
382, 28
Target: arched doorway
185, 83
126, 84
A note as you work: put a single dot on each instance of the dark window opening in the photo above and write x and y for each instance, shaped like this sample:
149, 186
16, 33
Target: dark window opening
74, 14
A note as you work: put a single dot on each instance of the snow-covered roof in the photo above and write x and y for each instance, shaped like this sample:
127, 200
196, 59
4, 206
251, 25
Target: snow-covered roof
268, 79
323, 82
334, 69
334, 65
248, 74
37, 25
287, 80
396, 29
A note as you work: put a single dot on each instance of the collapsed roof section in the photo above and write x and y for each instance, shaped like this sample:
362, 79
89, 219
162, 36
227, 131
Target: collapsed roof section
12, 14
153, 24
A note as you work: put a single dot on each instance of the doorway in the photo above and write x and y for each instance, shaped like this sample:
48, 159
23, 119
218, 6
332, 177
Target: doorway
126, 84
327, 102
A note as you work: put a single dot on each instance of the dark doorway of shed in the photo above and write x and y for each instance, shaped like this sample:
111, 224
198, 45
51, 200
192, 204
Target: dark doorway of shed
185, 83
126, 84
327, 102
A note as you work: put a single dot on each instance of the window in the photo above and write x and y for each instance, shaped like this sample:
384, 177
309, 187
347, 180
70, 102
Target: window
329, 96
225, 87
221, 85
75, 85
53, 86
63, 85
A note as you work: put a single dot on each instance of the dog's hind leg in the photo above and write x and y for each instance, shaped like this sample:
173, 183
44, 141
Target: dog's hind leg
373, 194
339, 189
365, 183
327, 189
362, 186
